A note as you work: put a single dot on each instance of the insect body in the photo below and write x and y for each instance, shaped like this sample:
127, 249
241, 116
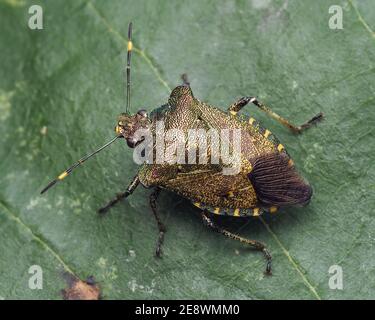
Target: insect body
265, 181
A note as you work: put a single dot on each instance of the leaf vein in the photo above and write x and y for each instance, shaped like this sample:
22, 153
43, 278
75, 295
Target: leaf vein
292, 261
361, 20
144, 56
38, 239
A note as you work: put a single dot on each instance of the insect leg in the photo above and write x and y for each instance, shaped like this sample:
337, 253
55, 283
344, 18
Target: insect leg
253, 243
296, 129
161, 227
285, 122
122, 195
185, 80
238, 105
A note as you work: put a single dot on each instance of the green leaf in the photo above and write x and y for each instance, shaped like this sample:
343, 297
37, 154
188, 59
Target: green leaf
61, 89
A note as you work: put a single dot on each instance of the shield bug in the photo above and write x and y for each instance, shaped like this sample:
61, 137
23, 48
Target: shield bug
266, 179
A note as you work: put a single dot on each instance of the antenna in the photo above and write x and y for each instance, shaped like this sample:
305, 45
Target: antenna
129, 56
77, 164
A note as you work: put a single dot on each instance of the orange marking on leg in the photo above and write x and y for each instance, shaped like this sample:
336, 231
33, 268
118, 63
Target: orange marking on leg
273, 209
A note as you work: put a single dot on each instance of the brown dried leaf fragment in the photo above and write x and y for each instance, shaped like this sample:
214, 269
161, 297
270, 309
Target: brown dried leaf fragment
81, 290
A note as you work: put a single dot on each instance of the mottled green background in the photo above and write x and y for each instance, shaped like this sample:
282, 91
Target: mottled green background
69, 78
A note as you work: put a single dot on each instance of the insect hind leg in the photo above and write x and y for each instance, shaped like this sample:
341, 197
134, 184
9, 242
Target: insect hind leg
153, 197
234, 108
252, 243
238, 105
285, 122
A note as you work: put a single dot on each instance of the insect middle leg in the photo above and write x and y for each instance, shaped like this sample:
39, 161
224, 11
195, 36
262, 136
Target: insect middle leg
122, 195
252, 243
153, 197
238, 105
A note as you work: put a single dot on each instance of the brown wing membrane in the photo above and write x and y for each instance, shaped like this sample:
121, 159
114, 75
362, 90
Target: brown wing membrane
277, 183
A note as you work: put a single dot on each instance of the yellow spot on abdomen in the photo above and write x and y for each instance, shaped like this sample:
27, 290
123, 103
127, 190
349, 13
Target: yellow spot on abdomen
236, 212
280, 147
256, 212
290, 162
217, 210
251, 120
197, 204
267, 133
233, 113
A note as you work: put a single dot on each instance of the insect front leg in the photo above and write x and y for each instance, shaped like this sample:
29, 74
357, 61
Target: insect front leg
238, 105
153, 197
122, 195
252, 243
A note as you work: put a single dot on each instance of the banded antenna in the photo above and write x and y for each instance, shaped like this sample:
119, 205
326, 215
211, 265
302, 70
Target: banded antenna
77, 164
83, 159
129, 56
